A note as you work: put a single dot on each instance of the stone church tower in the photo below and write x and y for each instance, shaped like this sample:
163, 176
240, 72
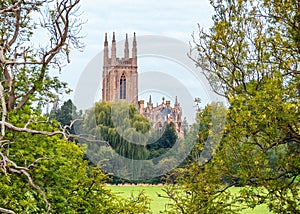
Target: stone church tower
120, 78
120, 82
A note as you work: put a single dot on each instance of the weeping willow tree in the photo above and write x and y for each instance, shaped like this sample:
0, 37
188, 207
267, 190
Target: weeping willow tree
121, 126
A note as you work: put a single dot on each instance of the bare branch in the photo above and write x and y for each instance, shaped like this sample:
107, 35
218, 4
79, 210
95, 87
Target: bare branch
63, 132
3, 165
24, 172
86, 138
12, 8
9, 166
14, 168
60, 23
38, 188
17, 27
2, 210
37, 160
5, 143
16, 60
33, 131
2, 58
71, 124
4, 111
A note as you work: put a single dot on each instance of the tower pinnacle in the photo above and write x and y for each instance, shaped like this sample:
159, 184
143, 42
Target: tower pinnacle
134, 50
113, 50
176, 101
114, 38
105, 41
126, 50
105, 55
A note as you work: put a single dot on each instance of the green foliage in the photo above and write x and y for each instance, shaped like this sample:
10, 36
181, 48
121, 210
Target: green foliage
70, 184
120, 125
128, 134
26, 64
39, 167
159, 144
206, 134
251, 56
114, 129
67, 115
199, 186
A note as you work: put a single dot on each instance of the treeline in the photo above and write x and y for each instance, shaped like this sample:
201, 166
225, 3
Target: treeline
117, 128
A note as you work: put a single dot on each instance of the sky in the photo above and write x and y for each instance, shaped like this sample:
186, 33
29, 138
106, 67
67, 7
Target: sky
175, 19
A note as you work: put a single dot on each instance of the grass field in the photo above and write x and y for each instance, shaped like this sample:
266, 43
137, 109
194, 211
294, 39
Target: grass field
158, 203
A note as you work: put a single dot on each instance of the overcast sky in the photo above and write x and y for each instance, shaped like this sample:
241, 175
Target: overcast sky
172, 18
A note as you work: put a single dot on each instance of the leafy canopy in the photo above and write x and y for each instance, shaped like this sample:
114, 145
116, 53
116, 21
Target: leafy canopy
251, 56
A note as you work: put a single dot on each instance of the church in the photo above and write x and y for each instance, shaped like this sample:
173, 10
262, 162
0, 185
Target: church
120, 83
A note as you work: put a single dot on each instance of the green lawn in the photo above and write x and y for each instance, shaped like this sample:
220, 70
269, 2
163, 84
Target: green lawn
158, 203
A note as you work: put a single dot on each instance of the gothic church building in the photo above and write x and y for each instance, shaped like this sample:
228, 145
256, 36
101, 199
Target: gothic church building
120, 83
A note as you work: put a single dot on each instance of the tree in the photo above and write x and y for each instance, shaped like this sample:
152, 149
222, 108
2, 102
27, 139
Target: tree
56, 166
251, 57
119, 124
25, 66
115, 128
204, 190
163, 142
67, 115
206, 136
41, 171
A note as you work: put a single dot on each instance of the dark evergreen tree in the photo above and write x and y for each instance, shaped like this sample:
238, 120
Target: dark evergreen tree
66, 113
160, 143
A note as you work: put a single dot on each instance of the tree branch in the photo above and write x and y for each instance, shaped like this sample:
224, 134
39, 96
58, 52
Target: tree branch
12, 8
33, 131
2, 210
64, 9
4, 111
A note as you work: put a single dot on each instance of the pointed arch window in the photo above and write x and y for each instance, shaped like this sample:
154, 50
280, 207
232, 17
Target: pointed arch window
123, 87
